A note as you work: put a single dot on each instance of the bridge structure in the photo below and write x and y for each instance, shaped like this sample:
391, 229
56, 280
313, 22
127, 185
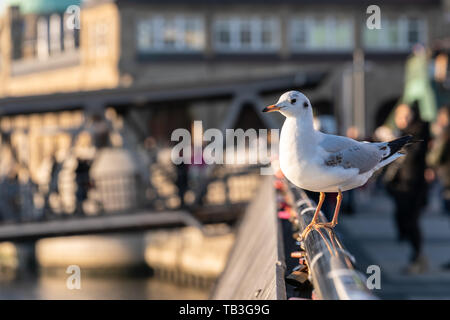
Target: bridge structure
128, 204
135, 196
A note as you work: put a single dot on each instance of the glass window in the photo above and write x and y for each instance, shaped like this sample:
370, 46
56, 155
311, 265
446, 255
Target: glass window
267, 36
223, 36
318, 34
192, 37
71, 36
413, 31
144, 35
251, 34
55, 33
298, 33
392, 38
344, 33
101, 38
45, 36
42, 38
321, 33
246, 34
170, 34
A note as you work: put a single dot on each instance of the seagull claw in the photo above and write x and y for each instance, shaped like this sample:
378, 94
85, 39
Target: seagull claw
307, 231
316, 226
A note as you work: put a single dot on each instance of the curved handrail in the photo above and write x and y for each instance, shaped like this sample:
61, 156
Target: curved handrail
330, 266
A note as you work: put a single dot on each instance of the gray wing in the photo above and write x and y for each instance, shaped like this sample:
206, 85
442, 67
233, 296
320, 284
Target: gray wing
331, 143
348, 153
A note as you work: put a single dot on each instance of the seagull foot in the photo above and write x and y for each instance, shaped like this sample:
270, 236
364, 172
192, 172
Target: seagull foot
308, 229
327, 225
316, 226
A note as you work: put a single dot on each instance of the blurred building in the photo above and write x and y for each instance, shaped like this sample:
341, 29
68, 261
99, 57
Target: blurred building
162, 64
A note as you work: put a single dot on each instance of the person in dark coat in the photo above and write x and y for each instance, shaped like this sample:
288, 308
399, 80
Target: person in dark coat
182, 182
83, 183
52, 186
407, 185
439, 157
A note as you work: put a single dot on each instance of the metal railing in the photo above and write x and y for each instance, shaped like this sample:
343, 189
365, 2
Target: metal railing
323, 259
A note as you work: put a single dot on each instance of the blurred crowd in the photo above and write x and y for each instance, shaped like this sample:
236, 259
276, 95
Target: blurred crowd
408, 179
420, 113
423, 112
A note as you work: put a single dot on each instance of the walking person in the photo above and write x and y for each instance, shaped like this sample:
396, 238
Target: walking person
182, 182
83, 183
405, 181
9, 197
439, 157
53, 186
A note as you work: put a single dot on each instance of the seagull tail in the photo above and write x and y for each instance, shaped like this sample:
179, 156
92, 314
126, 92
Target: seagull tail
394, 150
397, 144
387, 160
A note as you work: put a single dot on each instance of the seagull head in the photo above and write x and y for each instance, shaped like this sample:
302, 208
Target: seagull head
291, 104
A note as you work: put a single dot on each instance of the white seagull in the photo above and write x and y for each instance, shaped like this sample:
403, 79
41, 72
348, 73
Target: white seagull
321, 162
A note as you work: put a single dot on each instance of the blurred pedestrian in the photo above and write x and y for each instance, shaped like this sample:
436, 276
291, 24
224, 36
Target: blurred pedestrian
182, 182
83, 184
439, 156
198, 172
27, 189
52, 186
101, 136
151, 147
405, 181
9, 197
441, 76
418, 88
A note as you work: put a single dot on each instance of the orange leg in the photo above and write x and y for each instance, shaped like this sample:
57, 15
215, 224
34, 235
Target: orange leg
333, 222
315, 218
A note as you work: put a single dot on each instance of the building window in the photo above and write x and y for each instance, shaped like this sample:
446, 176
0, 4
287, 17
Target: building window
171, 34
239, 34
42, 38
395, 34
321, 33
71, 36
52, 37
98, 38
414, 31
55, 34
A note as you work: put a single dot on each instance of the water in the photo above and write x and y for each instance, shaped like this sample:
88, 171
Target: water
51, 287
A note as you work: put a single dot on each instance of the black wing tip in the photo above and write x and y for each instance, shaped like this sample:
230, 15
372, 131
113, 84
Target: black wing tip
397, 144
407, 138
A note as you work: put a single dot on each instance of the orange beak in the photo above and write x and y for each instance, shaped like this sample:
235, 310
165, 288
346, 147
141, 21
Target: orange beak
271, 108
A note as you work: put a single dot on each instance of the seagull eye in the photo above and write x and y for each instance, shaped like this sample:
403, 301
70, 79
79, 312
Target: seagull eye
293, 101
305, 104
